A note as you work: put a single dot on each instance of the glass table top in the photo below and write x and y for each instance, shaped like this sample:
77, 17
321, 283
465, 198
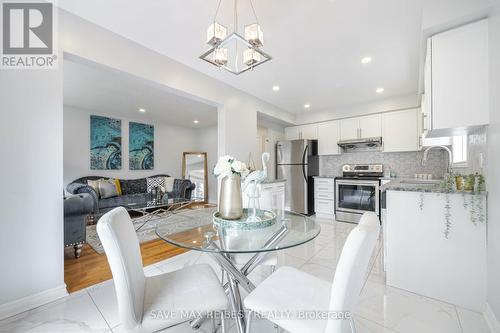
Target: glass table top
194, 228
156, 204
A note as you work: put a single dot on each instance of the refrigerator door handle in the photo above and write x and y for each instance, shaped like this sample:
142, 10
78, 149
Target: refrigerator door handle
303, 163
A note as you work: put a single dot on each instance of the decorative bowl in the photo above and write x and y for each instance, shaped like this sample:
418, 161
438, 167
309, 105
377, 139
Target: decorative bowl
267, 219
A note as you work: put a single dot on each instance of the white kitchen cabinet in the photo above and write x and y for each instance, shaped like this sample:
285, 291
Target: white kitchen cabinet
328, 136
458, 77
306, 132
349, 129
426, 103
272, 197
450, 269
400, 130
361, 127
309, 132
292, 133
324, 198
370, 126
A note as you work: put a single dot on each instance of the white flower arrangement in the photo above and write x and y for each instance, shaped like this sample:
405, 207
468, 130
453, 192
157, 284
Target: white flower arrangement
227, 165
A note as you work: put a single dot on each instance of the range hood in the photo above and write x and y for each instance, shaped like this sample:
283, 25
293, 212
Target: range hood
363, 144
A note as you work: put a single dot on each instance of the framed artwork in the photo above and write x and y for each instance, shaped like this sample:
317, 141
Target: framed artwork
141, 146
105, 143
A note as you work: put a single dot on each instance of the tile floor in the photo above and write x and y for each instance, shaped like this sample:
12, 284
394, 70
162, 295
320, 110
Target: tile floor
381, 308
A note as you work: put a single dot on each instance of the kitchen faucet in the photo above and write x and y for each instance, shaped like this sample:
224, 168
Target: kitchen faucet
450, 156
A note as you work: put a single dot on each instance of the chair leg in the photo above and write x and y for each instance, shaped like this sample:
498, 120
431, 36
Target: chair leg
222, 322
214, 325
277, 328
249, 321
273, 269
353, 326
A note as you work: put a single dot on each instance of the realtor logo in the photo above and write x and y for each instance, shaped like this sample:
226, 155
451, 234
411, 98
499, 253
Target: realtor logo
28, 35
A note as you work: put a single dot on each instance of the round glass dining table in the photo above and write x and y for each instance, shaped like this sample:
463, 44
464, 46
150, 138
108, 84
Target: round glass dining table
191, 228
194, 229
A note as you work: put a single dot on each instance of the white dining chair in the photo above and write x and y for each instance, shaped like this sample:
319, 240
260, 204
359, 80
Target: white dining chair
294, 292
149, 304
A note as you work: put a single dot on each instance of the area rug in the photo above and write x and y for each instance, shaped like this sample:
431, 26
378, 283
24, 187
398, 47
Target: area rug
174, 223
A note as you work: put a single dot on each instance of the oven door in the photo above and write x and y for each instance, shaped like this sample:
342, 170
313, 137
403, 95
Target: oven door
357, 196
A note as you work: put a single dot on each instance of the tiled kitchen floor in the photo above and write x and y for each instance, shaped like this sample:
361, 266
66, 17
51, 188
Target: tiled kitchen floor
381, 308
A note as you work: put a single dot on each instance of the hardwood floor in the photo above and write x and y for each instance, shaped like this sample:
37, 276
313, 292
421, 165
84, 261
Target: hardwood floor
92, 268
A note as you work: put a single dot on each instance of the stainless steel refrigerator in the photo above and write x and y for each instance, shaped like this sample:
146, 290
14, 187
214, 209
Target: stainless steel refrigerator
297, 163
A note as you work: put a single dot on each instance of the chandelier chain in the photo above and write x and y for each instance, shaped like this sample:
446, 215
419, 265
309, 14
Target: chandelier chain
217, 10
254, 12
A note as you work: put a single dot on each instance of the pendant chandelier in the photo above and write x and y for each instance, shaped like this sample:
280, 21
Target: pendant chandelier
235, 53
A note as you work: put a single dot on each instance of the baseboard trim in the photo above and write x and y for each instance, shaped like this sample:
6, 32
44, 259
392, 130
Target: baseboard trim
30, 302
491, 319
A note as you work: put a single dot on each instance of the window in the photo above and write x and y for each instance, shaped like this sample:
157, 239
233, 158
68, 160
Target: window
459, 149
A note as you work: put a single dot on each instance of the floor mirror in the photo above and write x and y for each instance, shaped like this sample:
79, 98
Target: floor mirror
194, 168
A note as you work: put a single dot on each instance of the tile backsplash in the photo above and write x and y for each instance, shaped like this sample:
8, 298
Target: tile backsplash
405, 164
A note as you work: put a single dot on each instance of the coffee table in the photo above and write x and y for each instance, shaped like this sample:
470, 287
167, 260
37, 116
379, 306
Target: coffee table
154, 209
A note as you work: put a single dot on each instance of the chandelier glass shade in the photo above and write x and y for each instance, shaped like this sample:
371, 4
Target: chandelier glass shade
233, 52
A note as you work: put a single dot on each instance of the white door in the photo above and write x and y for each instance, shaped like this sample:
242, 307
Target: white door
400, 131
309, 132
292, 133
328, 136
370, 126
460, 77
349, 129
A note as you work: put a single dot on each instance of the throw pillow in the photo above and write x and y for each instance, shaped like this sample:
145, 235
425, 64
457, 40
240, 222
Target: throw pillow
154, 182
118, 186
169, 184
95, 185
107, 188
134, 186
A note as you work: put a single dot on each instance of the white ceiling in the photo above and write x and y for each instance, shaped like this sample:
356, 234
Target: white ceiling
107, 91
316, 45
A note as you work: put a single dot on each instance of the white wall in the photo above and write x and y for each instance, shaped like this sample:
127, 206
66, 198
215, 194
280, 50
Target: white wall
390, 104
170, 143
31, 237
494, 166
86, 40
439, 15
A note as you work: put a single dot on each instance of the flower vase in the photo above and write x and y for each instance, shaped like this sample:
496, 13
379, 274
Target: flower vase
230, 201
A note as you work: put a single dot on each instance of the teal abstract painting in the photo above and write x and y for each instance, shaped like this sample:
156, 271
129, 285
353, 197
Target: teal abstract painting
141, 146
105, 143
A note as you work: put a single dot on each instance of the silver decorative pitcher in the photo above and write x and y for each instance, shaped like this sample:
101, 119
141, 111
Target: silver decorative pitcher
230, 202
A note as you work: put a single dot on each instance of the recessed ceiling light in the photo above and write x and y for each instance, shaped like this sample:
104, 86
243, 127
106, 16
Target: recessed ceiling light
276, 88
366, 60
379, 90
307, 106
195, 121
142, 110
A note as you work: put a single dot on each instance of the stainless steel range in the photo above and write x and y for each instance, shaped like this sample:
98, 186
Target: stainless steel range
357, 191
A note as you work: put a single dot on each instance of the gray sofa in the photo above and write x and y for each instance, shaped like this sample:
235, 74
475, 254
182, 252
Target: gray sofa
134, 191
76, 210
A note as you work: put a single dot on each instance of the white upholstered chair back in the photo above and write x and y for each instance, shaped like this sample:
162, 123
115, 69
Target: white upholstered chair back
352, 268
118, 237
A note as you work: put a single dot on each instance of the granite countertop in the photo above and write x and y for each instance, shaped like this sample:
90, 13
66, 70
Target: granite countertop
331, 177
411, 185
272, 181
